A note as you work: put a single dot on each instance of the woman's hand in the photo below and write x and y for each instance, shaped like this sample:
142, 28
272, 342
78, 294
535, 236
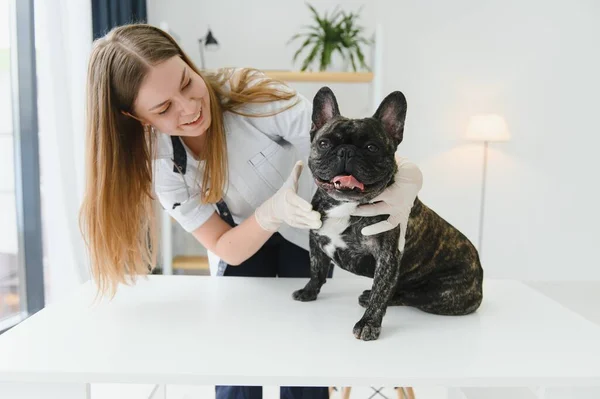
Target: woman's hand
397, 201
286, 206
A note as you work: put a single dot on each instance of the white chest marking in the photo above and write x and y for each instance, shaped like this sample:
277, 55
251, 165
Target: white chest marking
338, 219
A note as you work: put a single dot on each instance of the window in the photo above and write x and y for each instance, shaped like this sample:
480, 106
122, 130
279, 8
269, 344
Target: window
21, 273
9, 276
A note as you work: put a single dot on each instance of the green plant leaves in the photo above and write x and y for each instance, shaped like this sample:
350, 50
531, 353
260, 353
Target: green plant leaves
337, 32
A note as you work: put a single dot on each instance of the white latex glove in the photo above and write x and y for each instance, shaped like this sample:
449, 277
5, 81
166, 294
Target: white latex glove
285, 206
397, 200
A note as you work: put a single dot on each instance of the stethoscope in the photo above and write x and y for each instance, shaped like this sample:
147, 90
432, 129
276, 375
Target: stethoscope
187, 188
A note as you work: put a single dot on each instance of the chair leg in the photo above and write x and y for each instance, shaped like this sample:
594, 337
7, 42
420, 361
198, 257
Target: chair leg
410, 393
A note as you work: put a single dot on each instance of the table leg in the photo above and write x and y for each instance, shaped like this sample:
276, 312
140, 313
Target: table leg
159, 392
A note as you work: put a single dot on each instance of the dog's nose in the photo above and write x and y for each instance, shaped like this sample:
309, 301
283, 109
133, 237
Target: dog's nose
345, 152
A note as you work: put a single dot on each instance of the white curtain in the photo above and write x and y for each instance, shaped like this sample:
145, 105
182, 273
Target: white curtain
63, 40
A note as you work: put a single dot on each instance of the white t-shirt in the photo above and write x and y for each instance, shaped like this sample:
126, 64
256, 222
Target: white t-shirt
261, 152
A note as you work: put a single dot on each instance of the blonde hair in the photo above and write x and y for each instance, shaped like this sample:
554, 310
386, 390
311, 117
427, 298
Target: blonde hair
117, 218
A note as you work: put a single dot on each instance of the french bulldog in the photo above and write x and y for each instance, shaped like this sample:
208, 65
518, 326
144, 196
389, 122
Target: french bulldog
352, 162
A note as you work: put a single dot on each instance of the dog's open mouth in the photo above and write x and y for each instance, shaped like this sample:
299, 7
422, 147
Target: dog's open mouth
347, 183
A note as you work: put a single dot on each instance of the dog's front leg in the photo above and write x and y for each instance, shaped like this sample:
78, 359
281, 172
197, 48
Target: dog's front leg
384, 283
319, 267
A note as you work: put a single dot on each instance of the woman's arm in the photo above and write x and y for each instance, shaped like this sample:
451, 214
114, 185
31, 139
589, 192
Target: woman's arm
397, 201
232, 244
235, 245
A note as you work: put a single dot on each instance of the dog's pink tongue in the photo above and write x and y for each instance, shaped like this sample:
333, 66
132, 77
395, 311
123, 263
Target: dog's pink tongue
349, 182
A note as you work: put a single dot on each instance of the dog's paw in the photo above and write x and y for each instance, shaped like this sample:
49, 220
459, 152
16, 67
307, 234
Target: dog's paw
367, 330
305, 295
363, 299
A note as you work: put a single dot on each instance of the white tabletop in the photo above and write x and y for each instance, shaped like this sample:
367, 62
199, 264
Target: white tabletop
203, 330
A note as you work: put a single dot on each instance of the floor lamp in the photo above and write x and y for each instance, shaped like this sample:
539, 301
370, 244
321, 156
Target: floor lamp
486, 128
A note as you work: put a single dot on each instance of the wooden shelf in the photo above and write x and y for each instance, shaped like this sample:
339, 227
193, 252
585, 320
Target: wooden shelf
332, 77
190, 263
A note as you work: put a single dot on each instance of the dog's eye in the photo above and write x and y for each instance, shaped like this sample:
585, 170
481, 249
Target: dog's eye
324, 144
372, 148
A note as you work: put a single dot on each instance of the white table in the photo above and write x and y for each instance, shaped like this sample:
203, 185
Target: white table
250, 331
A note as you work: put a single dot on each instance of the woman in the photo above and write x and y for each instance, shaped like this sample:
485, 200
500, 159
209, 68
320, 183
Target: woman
221, 151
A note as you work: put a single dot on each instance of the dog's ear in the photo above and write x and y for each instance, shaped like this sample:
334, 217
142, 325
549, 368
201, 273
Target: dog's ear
392, 113
325, 108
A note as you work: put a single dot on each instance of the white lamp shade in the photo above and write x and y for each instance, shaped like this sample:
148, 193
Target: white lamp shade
489, 127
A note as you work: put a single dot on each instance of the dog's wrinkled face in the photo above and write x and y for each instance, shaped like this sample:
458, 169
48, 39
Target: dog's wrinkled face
353, 159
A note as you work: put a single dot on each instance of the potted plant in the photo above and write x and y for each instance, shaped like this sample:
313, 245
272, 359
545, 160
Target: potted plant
338, 33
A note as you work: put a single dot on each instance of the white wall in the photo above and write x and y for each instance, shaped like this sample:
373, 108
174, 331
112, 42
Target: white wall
256, 33
534, 62
250, 33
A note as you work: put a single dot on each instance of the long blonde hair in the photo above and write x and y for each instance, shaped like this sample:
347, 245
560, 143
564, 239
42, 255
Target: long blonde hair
117, 218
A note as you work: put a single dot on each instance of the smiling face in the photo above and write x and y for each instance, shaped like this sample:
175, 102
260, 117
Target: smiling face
174, 99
